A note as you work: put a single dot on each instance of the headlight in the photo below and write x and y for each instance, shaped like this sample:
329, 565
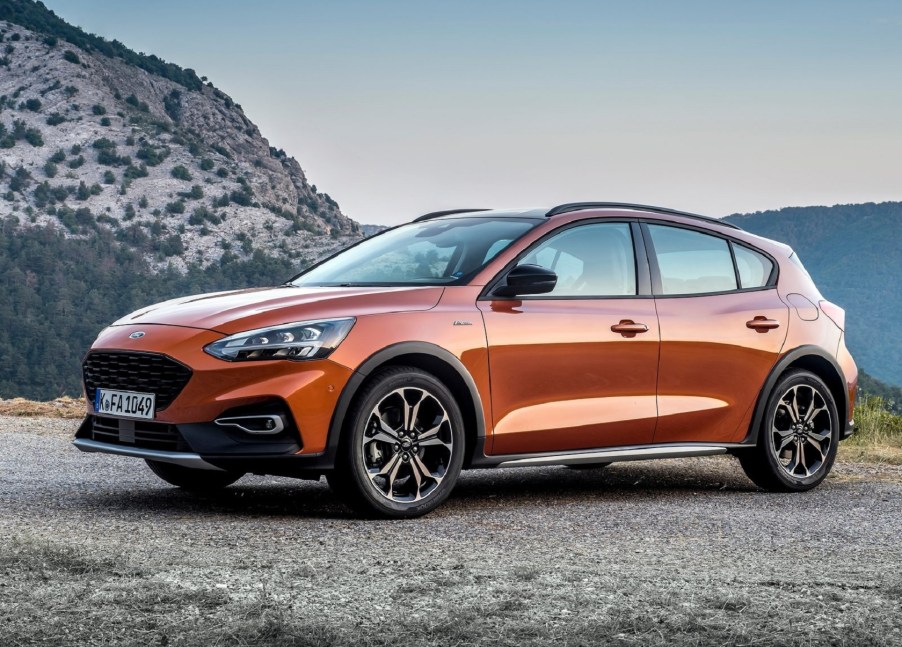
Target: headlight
295, 341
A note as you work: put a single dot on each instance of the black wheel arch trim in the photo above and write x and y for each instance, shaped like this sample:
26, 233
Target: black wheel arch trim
371, 364
779, 368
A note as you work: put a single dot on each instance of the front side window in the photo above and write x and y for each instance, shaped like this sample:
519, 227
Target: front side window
433, 252
691, 262
595, 260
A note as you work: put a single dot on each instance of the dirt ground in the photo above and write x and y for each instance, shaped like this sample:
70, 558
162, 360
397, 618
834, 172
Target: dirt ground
94, 550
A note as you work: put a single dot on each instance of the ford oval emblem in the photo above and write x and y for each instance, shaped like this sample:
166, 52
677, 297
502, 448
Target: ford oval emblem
136, 335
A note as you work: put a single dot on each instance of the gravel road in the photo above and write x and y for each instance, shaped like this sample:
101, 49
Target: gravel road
95, 550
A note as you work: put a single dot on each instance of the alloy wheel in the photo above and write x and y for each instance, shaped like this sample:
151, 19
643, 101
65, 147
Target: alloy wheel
802, 431
407, 445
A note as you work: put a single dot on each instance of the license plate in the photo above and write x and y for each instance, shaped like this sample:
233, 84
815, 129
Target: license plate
126, 404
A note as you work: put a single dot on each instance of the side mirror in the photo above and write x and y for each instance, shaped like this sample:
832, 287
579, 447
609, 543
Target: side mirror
526, 279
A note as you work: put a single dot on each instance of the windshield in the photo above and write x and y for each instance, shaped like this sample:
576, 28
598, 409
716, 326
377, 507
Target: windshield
434, 252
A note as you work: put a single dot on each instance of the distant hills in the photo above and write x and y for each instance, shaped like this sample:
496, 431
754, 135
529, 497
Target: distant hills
854, 254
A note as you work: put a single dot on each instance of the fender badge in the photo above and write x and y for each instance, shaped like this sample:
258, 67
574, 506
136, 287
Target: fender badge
458, 322
136, 335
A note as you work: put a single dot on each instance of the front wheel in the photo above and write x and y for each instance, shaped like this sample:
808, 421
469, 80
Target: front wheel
798, 438
192, 479
403, 446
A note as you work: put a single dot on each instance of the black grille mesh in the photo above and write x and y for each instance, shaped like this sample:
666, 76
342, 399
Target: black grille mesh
142, 372
138, 433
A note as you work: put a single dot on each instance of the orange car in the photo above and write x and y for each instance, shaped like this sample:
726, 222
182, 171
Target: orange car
580, 336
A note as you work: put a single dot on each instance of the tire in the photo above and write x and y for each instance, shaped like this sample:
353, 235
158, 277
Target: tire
402, 447
191, 479
801, 417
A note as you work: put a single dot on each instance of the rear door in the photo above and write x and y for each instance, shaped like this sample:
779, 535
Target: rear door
561, 377
722, 329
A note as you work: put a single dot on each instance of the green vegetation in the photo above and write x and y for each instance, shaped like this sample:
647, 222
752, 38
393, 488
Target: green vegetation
98, 109
181, 173
63, 292
35, 16
206, 164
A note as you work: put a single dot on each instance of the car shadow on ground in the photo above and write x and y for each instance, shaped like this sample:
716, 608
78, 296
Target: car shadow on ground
283, 497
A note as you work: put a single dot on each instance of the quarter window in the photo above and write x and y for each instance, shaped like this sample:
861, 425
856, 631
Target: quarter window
754, 268
595, 260
691, 262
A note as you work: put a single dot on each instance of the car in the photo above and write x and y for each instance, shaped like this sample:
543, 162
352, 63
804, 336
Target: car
580, 335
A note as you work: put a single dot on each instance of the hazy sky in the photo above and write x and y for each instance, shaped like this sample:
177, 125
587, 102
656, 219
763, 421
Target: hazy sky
399, 108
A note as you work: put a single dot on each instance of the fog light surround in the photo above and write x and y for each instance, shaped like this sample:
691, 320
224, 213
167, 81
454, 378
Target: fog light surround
264, 425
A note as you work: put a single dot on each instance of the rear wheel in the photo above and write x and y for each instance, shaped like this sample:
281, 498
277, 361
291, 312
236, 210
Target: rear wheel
798, 438
192, 479
403, 446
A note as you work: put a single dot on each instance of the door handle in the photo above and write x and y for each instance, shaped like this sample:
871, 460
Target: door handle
629, 328
762, 324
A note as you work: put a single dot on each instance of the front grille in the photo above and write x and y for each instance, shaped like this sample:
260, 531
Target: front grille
141, 372
138, 433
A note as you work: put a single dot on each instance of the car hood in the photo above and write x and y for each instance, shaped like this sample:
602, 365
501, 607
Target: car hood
240, 310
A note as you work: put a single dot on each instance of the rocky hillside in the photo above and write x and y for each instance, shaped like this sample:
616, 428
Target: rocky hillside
171, 167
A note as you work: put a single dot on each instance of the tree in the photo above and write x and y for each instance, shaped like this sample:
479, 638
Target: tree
181, 173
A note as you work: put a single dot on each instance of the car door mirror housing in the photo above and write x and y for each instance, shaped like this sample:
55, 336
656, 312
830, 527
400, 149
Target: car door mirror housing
526, 279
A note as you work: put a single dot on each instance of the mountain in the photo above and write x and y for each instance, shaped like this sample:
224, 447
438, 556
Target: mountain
853, 253
125, 180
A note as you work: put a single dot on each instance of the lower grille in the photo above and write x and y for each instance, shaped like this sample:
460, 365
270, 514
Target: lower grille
138, 433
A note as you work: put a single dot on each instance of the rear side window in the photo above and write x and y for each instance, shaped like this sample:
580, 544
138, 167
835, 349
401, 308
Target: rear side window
754, 268
595, 260
691, 262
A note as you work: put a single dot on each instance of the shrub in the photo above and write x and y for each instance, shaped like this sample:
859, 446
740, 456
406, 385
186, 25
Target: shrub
76, 149
33, 104
82, 193
77, 162
176, 207
222, 172
33, 136
134, 172
181, 173
196, 193
105, 121
152, 156
70, 91
50, 169
71, 56
109, 177
98, 109
206, 164
172, 246
58, 156
143, 202
242, 198
129, 212
129, 141
103, 143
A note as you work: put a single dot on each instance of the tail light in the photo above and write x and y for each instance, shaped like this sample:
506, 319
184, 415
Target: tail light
836, 314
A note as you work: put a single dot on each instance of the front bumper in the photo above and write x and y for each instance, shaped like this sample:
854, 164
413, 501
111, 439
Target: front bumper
309, 390
202, 445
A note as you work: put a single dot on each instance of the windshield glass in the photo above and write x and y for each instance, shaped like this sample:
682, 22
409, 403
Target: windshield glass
434, 252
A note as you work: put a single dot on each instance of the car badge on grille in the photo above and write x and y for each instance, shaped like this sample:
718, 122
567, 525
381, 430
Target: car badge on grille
136, 335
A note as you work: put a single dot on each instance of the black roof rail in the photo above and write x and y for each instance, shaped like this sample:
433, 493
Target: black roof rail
439, 214
579, 206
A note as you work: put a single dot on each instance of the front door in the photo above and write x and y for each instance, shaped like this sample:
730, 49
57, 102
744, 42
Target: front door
575, 368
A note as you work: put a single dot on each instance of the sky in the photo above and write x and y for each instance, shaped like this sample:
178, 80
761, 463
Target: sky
398, 108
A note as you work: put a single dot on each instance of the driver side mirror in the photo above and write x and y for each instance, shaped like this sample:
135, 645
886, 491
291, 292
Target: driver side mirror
526, 279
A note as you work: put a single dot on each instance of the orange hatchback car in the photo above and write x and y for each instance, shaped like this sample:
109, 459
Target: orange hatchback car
582, 335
